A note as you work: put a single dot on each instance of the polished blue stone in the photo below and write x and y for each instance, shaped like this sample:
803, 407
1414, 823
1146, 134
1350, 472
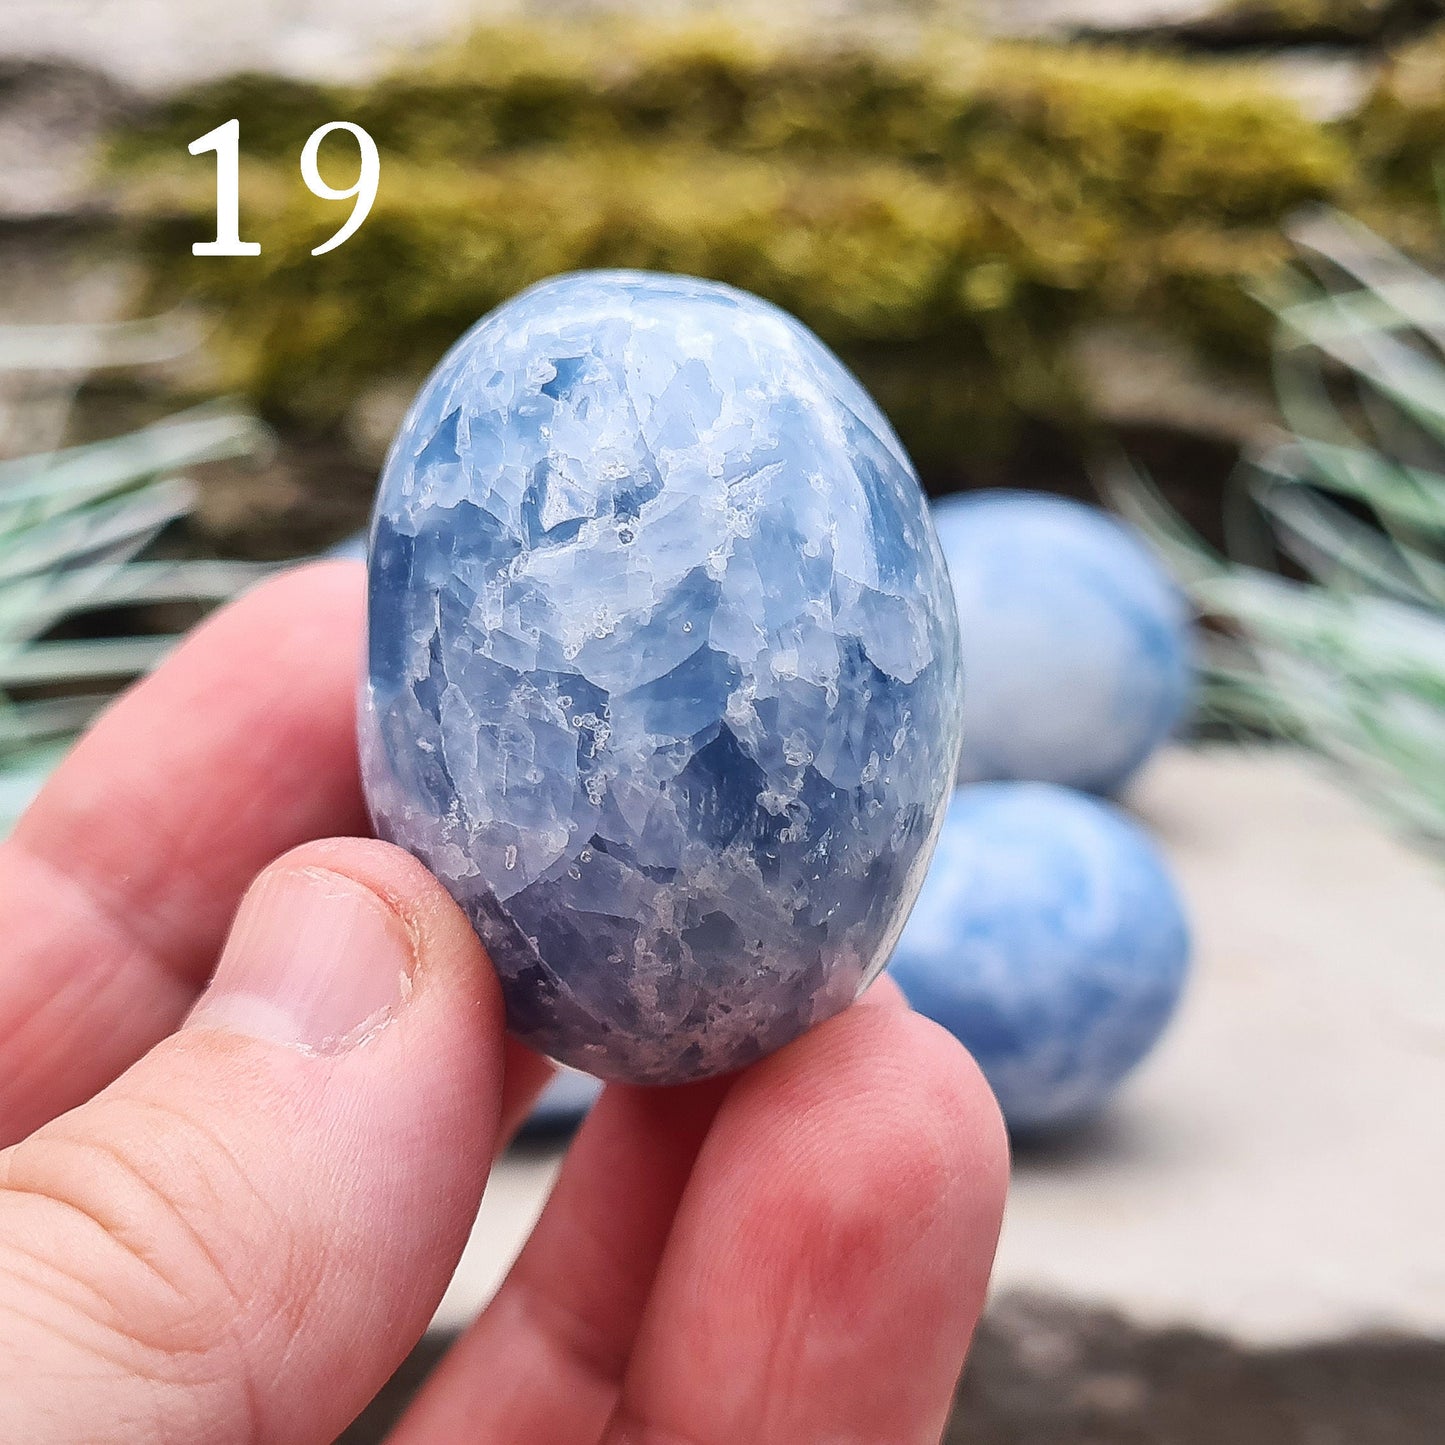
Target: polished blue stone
1050, 939
1077, 644
663, 676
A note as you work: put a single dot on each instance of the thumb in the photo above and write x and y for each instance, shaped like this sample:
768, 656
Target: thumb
243, 1236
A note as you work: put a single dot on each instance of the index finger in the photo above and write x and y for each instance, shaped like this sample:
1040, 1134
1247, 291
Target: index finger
118, 884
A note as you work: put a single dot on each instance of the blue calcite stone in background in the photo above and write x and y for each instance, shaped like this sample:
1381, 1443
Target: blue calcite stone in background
563, 1105
663, 669
1050, 939
1077, 644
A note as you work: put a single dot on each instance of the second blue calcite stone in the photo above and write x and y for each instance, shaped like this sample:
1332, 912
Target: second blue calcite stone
1078, 643
663, 669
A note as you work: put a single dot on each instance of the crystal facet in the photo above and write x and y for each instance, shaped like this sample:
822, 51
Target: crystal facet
663, 676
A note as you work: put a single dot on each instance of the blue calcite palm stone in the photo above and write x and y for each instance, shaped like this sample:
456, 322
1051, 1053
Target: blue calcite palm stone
664, 678
1050, 939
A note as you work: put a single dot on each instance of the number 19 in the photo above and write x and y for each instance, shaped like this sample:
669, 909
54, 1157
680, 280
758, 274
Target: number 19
225, 141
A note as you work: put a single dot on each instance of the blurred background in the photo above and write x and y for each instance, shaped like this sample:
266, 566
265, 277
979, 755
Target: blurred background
1179, 258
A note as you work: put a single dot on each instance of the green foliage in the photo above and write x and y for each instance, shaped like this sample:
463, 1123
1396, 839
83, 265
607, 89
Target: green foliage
1351, 662
948, 216
74, 526
1400, 133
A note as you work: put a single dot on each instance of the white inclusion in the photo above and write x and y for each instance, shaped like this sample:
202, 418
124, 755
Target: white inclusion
449, 858
799, 815
739, 711
746, 495
539, 372
784, 663
599, 729
773, 802
796, 752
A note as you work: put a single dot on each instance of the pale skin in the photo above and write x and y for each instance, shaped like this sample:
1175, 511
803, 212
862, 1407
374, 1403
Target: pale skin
231, 1220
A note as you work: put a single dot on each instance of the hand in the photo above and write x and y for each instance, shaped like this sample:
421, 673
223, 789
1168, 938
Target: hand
228, 1211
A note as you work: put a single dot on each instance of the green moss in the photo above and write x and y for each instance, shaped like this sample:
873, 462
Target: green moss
1400, 133
948, 216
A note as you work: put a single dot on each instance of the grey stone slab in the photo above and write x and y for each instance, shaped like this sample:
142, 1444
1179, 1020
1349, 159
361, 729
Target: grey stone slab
1274, 1174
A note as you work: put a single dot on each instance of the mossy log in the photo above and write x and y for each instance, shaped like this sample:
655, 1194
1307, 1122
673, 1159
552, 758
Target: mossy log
948, 215
1400, 132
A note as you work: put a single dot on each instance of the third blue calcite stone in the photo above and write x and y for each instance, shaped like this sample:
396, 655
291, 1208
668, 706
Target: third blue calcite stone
663, 671
1051, 940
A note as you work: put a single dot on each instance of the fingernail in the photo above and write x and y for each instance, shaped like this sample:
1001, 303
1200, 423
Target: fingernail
315, 960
